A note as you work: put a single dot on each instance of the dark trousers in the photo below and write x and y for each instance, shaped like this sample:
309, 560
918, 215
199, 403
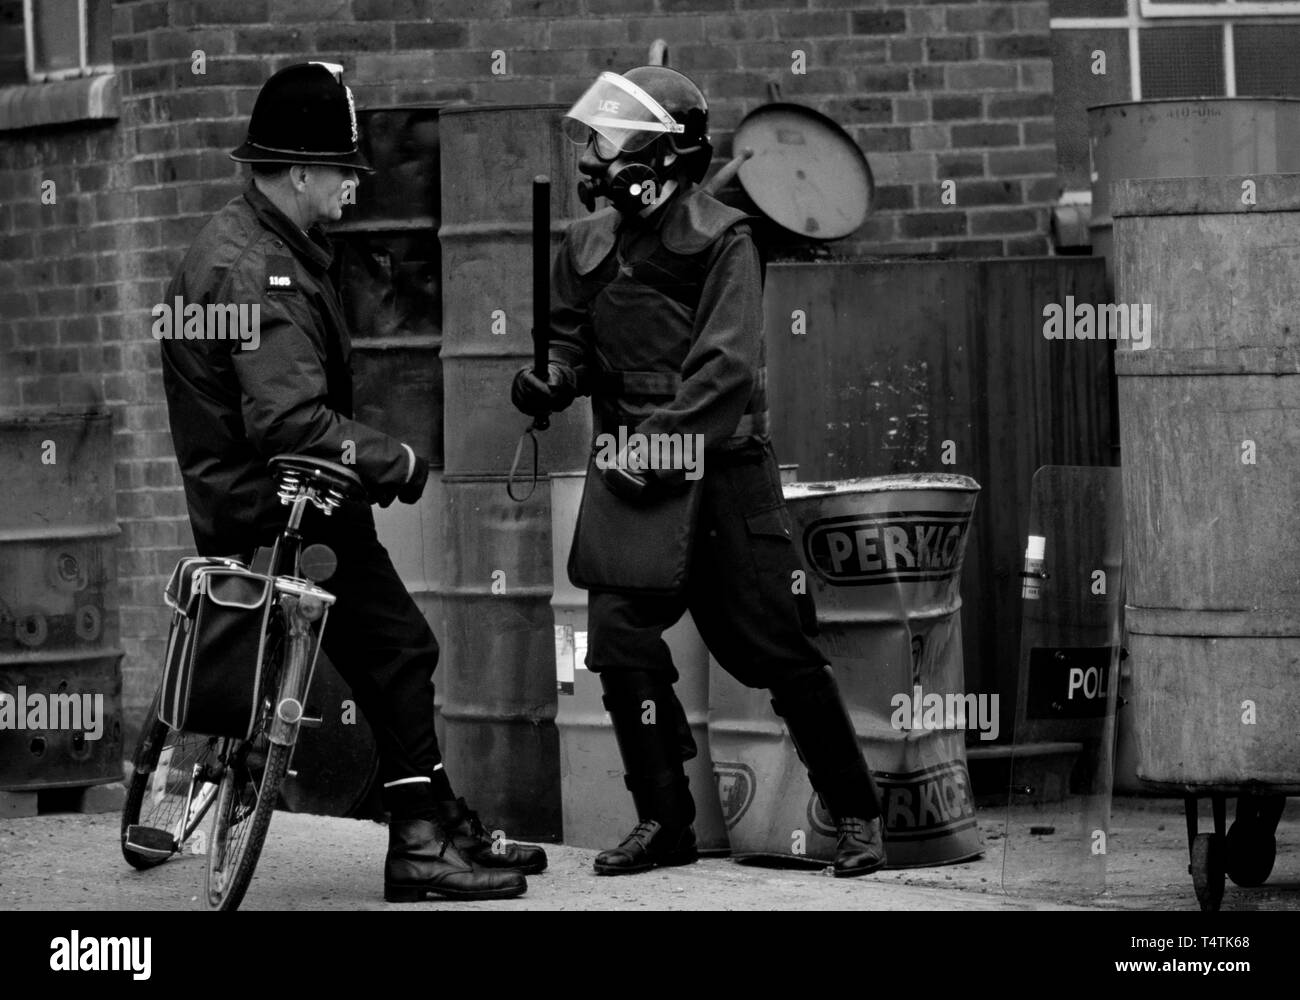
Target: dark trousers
740, 591
379, 642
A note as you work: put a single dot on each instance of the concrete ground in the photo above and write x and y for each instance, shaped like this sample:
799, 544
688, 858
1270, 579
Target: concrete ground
69, 861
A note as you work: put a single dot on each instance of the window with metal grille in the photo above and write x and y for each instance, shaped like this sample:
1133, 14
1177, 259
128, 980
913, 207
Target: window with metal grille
1164, 49
1266, 62
1181, 62
1218, 8
67, 38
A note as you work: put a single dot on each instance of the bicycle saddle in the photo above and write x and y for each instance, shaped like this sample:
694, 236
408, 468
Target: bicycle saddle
320, 471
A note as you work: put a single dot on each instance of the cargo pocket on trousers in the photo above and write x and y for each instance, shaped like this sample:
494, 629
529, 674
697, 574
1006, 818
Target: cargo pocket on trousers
774, 524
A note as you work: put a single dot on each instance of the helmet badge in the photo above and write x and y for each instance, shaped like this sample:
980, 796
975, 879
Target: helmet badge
352, 114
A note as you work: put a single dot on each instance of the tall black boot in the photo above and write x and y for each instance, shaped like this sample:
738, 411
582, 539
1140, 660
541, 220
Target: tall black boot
422, 860
824, 738
652, 757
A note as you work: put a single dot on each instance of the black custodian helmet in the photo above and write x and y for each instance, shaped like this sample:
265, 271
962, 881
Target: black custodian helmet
304, 114
680, 97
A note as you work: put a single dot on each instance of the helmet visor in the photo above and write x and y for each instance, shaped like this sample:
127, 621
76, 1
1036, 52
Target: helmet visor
624, 117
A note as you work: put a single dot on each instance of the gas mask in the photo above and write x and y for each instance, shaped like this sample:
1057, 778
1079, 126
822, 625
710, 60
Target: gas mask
619, 124
632, 182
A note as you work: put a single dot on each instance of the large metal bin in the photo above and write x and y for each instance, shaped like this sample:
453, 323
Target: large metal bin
884, 558
1210, 419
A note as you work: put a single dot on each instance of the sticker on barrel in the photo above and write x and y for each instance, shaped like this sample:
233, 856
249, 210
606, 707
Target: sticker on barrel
864, 549
736, 787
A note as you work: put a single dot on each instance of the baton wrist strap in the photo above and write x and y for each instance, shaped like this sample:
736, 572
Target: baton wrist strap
530, 433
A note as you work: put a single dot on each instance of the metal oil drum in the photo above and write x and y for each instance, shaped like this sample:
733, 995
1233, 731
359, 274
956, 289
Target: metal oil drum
1210, 426
501, 745
389, 264
60, 665
1205, 137
883, 558
597, 807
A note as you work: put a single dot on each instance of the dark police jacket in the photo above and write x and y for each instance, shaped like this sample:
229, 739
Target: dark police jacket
663, 320
231, 409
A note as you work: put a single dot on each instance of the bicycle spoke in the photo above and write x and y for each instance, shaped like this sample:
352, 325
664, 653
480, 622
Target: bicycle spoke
162, 805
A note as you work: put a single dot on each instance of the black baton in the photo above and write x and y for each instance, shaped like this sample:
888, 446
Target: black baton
541, 323
541, 285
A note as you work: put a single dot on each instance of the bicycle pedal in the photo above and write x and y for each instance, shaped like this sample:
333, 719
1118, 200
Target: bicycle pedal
150, 842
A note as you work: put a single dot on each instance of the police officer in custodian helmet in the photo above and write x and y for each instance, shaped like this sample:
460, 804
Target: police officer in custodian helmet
232, 409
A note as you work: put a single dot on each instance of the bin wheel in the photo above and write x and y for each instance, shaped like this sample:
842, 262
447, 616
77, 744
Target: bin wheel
1207, 870
1252, 849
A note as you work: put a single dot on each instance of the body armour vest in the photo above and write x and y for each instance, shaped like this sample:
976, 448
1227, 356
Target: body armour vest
643, 286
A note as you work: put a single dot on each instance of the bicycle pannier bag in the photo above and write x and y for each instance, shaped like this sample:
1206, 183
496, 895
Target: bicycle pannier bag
216, 648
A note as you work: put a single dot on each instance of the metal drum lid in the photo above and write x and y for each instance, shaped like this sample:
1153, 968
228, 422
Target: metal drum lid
882, 484
806, 174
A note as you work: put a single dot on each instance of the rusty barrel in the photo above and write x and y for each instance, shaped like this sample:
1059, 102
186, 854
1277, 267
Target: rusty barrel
883, 558
389, 264
1205, 137
60, 665
502, 748
598, 810
1210, 423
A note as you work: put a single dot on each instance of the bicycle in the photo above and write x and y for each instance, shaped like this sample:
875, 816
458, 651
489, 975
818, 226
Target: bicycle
179, 777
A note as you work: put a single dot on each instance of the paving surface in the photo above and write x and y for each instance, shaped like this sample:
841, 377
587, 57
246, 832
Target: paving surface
66, 861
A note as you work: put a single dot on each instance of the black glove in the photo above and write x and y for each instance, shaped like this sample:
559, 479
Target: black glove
641, 486
413, 489
634, 487
532, 396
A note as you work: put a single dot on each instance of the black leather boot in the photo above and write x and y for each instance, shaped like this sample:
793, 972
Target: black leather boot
859, 846
663, 842
824, 738
472, 840
423, 861
652, 755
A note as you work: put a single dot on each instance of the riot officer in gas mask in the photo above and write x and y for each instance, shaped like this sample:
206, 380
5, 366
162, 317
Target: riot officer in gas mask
657, 316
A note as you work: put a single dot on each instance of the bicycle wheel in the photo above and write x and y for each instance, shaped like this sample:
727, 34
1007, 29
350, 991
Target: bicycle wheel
248, 796
163, 772
250, 791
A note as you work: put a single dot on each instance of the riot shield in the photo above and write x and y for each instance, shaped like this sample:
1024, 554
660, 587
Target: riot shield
1058, 809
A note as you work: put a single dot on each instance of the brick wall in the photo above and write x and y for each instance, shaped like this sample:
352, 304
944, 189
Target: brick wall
931, 92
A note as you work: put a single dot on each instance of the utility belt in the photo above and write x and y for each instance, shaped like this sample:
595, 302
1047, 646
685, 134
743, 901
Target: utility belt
611, 386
